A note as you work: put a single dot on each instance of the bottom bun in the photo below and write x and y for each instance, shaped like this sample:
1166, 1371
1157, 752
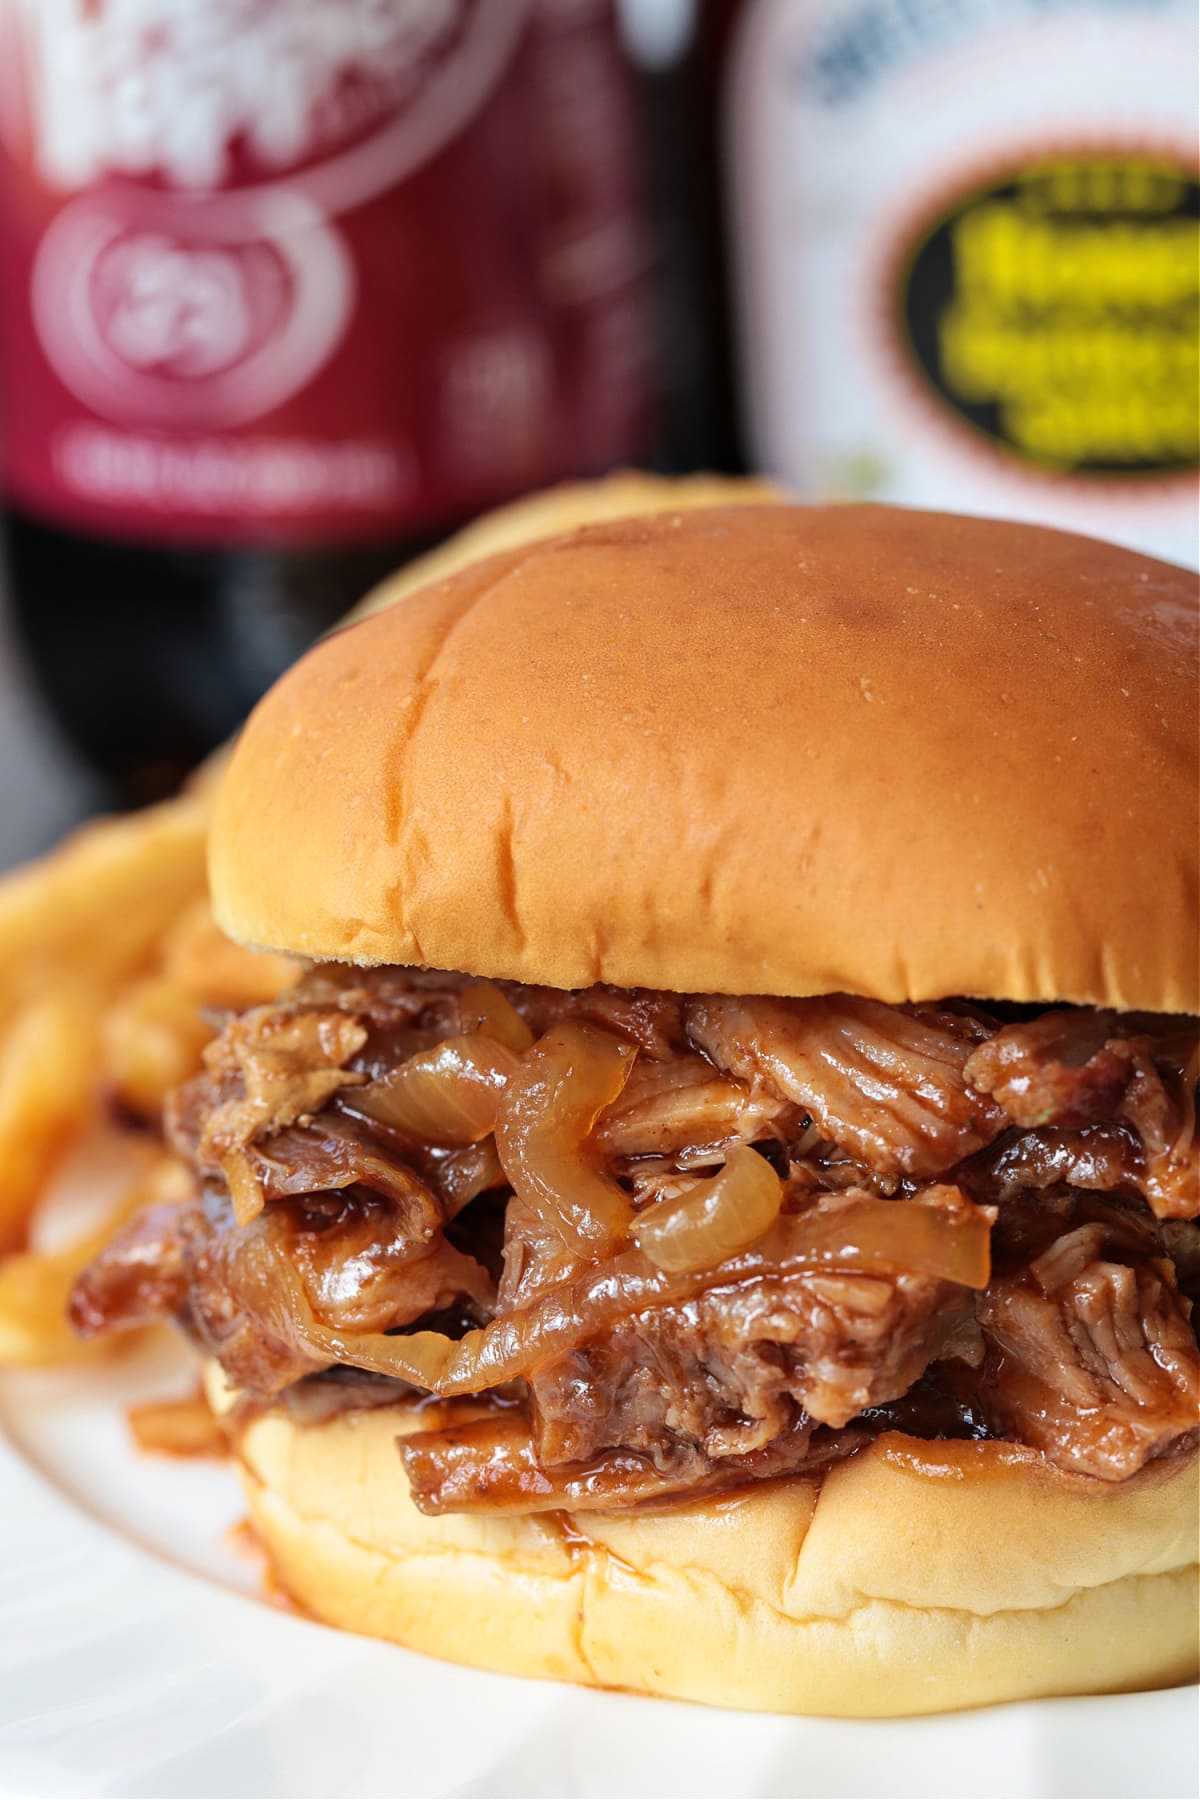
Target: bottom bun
913, 1578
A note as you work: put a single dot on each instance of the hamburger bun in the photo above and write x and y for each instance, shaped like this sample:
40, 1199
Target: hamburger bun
627, 494
768, 749
913, 1578
772, 749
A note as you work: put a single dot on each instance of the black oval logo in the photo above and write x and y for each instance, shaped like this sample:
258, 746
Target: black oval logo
1056, 311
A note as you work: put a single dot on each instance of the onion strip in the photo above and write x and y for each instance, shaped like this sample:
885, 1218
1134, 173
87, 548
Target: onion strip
467, 1173
246, 1192
445, 1095
714, 1219
543, 1127
482, 1007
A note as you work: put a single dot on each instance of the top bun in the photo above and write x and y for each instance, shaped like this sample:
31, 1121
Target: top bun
763, 749
621, 495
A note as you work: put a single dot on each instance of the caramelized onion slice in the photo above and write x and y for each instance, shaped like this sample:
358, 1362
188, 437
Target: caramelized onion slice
542, 1130
484, 1008
467, 1173
245, 1189
716, 1219
446, 1095
942, 1236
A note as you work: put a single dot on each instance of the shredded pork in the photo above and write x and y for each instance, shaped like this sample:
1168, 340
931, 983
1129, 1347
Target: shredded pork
1072, 1129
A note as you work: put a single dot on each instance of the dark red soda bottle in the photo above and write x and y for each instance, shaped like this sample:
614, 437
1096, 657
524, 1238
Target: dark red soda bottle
290, 288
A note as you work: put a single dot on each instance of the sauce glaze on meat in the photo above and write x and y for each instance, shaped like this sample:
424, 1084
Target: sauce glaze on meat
1061, 1141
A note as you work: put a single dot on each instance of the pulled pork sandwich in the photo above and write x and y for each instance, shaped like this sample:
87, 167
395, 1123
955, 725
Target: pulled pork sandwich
716, 1214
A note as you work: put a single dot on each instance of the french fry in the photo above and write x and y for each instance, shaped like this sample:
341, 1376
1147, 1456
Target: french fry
99, 903
78, 1015
154, 1032
201, 961
151, 1039
47, 1072
35, 1286
183, 1427
34, 1290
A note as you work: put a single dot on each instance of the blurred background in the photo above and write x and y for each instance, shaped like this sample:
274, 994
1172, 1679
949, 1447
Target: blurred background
291, 289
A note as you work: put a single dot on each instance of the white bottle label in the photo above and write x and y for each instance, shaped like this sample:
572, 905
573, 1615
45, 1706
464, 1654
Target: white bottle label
969, 254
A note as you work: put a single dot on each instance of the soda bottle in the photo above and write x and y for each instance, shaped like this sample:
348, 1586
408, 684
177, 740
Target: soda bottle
290, 288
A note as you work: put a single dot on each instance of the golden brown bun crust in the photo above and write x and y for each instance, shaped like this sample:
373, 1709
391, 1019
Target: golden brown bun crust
771, 749
627, 494
915, 1578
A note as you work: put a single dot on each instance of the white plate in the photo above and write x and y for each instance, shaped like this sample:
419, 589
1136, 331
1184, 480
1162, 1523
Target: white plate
136, 1658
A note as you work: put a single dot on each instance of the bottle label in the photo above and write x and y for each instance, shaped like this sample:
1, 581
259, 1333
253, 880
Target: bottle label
310, 269
1054, 313
970, 256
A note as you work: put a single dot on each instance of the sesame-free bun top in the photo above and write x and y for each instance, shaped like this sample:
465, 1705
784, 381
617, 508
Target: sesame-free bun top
764, 749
